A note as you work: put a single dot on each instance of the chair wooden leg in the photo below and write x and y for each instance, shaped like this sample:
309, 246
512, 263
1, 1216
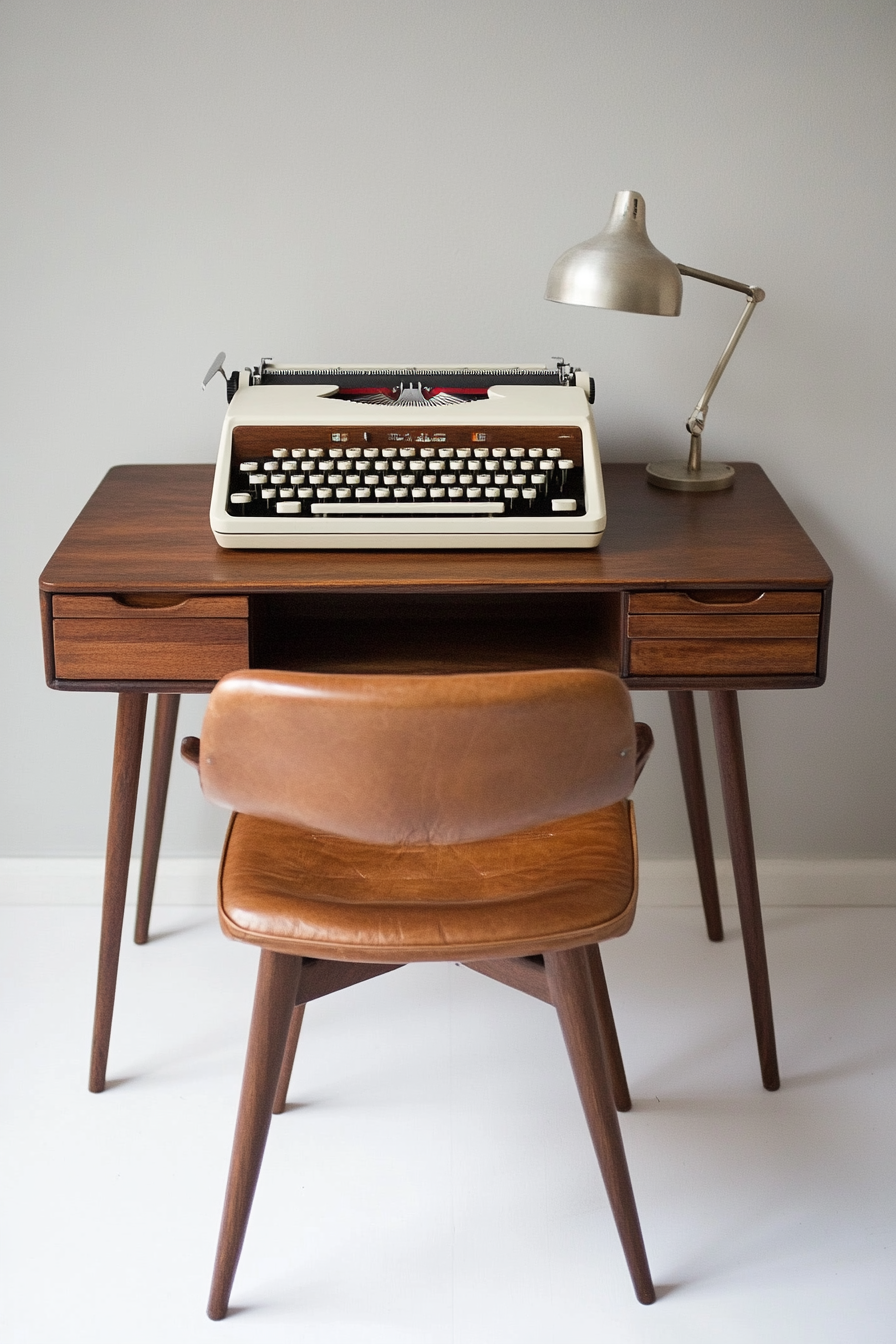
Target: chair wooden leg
275, 997
159, 775
122, 806
289, 1055
607, 1025
730, 751
570, 980
684, 721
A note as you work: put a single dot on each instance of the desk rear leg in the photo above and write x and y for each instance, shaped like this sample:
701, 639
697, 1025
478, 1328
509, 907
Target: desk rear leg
159, 776
122, 807
684, 721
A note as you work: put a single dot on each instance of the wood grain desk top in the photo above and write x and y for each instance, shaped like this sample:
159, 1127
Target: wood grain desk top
146, 529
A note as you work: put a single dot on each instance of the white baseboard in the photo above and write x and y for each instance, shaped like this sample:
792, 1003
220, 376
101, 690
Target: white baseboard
664, 882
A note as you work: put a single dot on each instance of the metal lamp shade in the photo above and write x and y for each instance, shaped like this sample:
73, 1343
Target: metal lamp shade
618, 268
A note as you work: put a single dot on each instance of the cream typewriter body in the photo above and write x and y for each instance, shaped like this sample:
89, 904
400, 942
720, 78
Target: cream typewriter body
412, 457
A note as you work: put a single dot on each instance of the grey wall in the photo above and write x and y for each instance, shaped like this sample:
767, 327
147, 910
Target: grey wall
391, 181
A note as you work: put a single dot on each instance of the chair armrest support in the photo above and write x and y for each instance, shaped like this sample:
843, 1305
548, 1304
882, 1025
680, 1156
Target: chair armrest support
643, 747
189, 750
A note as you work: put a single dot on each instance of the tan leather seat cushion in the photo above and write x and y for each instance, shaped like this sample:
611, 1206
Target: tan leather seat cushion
552, 887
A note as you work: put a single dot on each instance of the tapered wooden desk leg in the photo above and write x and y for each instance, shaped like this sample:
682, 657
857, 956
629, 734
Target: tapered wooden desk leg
730, 749
684, 721
607, 1024
159, 775
289, 1056
275, 996
569, 978
122, 806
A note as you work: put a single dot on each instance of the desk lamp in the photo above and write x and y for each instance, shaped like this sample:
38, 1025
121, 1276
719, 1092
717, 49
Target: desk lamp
620, 268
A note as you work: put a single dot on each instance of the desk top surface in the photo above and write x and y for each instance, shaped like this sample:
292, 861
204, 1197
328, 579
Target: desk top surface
146, 529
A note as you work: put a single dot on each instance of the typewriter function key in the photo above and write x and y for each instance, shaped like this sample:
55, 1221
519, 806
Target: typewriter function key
289, 507
241, 497
566, 464
249, 466
563, 505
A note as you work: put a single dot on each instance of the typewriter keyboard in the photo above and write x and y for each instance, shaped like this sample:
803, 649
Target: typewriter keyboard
421, 480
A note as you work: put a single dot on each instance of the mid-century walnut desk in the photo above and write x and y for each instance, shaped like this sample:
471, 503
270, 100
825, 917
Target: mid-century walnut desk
717, 592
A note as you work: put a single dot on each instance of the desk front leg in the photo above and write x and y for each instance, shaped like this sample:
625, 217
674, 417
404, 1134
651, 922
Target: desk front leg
730, 750
122, 807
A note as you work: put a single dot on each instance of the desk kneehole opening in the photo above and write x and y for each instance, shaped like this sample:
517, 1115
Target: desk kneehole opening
193, 639
724, 634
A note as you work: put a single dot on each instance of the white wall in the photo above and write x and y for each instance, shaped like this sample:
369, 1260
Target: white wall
392, 181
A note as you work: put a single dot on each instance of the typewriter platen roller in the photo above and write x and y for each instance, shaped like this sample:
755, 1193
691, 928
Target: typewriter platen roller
410, 456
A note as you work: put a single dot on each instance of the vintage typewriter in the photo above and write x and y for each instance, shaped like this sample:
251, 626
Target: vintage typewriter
349, 457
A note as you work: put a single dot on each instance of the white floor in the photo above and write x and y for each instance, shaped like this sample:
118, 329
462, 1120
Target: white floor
432, 1179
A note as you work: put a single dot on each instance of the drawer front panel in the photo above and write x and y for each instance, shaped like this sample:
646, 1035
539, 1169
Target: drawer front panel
723, 627
162, 606
718, 600
722, 657
149, 648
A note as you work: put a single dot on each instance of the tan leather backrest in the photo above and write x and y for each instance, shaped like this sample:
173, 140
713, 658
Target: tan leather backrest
418, 759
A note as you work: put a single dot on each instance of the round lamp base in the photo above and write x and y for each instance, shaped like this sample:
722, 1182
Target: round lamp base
676, 476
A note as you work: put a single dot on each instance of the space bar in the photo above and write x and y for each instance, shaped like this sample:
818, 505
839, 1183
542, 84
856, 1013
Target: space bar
412, 506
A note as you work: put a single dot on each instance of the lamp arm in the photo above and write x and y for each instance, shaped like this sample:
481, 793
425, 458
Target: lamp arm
697, 418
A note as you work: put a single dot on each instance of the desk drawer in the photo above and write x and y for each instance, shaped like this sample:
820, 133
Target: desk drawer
149, 637
718, 634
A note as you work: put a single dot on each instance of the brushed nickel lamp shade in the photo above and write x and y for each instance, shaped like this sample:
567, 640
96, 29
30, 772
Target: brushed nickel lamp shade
620, 268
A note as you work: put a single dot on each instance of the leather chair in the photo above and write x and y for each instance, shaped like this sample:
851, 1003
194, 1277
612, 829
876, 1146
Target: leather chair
379, 820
